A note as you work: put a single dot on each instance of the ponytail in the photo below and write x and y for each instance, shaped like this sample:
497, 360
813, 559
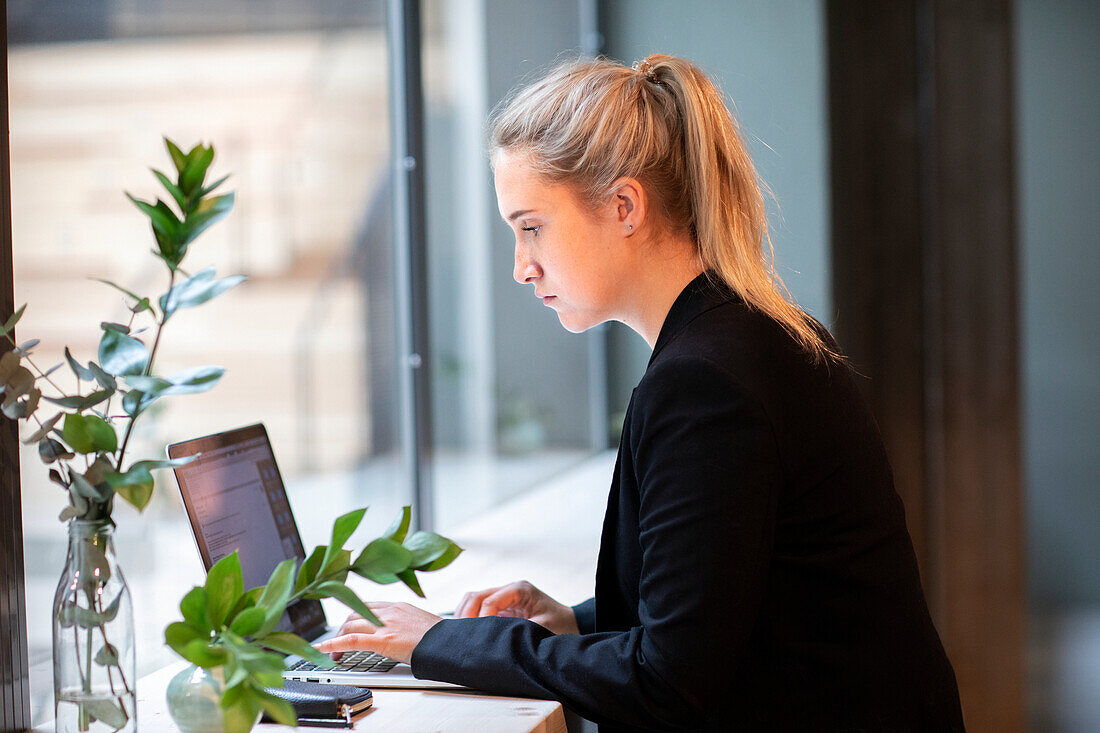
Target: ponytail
663, 122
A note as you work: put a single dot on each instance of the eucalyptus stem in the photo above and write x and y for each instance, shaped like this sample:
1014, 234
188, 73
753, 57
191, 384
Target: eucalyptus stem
147, 372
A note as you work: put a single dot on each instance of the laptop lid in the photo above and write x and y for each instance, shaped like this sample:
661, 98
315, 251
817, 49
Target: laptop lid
235, 500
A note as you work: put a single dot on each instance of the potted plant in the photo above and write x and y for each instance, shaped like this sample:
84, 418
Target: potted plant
230, 632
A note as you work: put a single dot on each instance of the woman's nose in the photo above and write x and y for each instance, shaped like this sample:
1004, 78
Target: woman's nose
525, 269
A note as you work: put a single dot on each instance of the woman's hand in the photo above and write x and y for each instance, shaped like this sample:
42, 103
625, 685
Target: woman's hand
521, 600
405, 626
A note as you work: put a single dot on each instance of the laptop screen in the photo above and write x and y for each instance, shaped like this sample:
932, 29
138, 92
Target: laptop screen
235, 500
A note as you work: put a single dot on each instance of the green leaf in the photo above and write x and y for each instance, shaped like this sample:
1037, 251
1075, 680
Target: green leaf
248, 621
400, 526
280, 710
107, 656
342, 529
81, 403
135, 486
443, 560
105, 710
89, 434
120, 354
178, 635
178, 158
275, 595
239, 709
308, 572
207, 213
346, 595
426, 547
81, 373
212, 186
381, 560
408, 577
193, 608
198, 160
224, 585
196, 290
24, 349
9, 365
202, 653
141, 303
177, 193
288, 643
162, 218
189, 381
14, 319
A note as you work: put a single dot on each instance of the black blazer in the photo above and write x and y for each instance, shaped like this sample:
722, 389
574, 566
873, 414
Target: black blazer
755, 571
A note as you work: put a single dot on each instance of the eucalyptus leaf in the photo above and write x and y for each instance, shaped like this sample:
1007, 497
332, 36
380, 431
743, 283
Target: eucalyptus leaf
152, 465
17, 407
141, 303
24, 349
105, 710
81, 402
196, 290
121, 354
135, 402
80, 486
82, 373
49, 450
107, 655
105, 380
189, 381
43, 431
68, 512
9, 363
14, 319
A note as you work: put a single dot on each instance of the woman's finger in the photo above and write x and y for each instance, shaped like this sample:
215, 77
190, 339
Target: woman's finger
348, 643
470, 606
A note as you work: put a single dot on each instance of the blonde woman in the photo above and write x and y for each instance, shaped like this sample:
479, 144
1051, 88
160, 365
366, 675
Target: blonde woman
755, 571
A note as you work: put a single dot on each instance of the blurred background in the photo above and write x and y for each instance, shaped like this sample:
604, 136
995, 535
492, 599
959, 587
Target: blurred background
890, 225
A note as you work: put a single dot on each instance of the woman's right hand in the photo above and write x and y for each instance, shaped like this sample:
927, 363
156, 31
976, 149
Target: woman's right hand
521, 600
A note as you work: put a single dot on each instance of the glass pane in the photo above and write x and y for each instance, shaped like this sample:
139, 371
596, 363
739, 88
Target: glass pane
294, 97
510, 387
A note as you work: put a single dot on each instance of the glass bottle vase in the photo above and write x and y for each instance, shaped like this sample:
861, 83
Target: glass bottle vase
93, 636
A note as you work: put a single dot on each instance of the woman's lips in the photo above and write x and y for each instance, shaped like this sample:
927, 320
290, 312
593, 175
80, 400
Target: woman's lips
547, 299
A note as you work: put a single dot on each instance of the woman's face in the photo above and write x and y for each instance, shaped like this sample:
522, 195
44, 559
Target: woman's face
576, 259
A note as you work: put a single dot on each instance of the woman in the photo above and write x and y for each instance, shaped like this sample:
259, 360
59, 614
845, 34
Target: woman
755, 570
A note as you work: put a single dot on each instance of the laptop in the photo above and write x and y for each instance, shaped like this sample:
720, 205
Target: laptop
235, 500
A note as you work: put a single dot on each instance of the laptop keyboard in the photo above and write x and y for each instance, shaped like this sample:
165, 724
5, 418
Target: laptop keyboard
351, 662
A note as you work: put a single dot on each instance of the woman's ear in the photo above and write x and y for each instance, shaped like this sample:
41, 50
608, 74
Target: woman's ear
630, 204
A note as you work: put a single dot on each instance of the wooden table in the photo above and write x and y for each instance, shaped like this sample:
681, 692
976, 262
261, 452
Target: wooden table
394, 711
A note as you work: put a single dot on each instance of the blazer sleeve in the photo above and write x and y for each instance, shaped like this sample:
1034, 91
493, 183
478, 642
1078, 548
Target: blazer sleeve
708, 474
585, 614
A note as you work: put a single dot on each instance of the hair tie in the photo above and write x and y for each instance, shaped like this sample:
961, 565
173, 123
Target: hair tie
646, 70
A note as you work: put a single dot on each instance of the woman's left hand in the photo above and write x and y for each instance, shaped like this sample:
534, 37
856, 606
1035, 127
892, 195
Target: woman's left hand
405, 626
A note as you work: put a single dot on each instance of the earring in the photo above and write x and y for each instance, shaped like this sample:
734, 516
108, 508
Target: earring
629, 226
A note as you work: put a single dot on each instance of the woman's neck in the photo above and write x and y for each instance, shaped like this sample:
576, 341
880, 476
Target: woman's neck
662, 271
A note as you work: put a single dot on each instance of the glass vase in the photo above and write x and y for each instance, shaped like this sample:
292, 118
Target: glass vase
93, 636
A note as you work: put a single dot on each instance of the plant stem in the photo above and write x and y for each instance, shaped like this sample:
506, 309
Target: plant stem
148, 371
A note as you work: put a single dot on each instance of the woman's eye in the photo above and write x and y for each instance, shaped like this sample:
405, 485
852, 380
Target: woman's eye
534, 229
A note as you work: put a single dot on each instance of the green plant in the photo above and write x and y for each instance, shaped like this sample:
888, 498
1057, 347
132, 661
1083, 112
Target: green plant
80, 443
225, 625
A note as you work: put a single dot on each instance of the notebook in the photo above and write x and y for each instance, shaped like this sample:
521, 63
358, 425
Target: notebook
235, 500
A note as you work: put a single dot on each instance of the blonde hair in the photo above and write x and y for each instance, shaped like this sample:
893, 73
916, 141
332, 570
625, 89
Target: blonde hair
663, 122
